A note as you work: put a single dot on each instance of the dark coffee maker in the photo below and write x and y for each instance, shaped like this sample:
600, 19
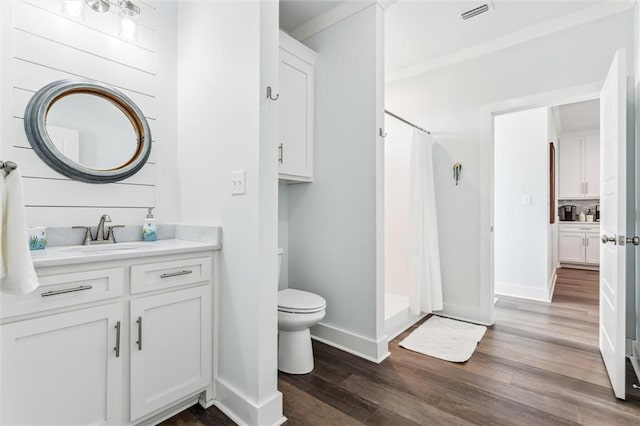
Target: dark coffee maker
597, 219
567, 213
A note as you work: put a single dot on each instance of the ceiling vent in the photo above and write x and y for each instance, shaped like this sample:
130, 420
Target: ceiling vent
472, 13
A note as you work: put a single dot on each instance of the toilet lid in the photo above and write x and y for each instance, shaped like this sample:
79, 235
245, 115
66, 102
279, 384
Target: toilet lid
300, 301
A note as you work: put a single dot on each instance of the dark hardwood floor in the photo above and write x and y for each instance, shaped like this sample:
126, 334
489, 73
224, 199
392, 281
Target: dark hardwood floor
539, 365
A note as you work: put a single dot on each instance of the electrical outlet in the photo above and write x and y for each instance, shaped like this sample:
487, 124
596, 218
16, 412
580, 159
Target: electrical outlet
238, 182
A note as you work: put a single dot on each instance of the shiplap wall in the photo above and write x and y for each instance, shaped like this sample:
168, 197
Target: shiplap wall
41, 45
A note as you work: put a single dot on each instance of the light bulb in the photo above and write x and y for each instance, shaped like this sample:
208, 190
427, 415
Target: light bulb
128, 28
73, 9
128, 20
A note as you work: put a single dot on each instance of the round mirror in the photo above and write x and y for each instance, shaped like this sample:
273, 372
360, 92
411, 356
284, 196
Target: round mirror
87, 131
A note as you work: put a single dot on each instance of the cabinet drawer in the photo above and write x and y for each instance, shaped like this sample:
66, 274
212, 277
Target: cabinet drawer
62, 290
586, 228
158, 276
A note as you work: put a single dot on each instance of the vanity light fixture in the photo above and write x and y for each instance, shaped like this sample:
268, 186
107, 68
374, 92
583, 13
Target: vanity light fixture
128, 20
74, 9
100, 6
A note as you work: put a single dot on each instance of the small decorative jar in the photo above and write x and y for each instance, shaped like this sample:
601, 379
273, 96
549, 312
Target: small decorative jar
37, 237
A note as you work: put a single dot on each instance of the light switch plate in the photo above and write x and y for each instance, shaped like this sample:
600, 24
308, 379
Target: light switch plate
238, 182
526, 200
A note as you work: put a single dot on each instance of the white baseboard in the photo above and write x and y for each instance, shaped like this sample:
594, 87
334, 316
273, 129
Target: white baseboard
552, 284
369, 349
540, 294
239, 408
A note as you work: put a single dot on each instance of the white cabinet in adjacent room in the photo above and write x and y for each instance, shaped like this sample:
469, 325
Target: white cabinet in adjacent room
579, 244
295, 146
170, 347
571, 247
579, 167
63, 369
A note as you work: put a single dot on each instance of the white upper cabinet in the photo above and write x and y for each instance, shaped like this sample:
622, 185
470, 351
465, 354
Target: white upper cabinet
592, 166
579, 172
295, 146
570, 171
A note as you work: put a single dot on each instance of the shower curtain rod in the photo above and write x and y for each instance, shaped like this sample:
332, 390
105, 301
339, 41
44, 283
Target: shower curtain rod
406, 122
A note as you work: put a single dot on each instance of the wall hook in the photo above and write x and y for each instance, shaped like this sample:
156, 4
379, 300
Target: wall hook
383, 133
457, 170
269, 94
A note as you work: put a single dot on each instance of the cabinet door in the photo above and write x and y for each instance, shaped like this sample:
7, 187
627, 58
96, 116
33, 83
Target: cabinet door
62, 369
592, 166
296, 118
593, 249
570, 177
571, 247
170, 348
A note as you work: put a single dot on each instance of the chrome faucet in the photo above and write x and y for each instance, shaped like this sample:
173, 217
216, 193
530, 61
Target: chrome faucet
100, 238
100, 231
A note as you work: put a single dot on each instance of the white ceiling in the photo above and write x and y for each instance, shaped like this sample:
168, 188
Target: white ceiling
422, 30
579, 116
294, 13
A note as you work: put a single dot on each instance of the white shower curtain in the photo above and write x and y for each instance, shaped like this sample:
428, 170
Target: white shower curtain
425, 294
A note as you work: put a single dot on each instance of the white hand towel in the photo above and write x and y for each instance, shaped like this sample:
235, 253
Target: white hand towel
20, 275
3, 206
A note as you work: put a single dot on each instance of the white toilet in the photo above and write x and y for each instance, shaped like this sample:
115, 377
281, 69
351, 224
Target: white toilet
297, 312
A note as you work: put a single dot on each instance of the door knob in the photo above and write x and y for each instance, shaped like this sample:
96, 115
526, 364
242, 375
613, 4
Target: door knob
633, 240
606, 239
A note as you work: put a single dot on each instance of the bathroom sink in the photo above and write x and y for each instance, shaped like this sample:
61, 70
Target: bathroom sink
107, 248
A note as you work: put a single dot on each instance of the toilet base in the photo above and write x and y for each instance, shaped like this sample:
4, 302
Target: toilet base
295, 354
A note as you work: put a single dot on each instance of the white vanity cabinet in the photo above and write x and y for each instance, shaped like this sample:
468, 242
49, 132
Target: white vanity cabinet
116, 342
295, 146
170, 338
579, 167
579, 244
63, 369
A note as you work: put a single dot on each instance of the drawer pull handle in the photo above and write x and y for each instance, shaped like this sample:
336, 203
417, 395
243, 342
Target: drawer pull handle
66, 290
139, 341
117, 348
175, 274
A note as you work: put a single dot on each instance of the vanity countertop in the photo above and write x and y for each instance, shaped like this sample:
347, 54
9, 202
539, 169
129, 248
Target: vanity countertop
69, 255
578, 223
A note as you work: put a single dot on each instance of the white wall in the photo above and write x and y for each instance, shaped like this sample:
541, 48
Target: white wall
283, 233
448, 101
333, 221
521, 247
40, 45
397, 156
228, 54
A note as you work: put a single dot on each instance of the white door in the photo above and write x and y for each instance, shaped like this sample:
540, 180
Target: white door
170, 348
613, 190
62, 369
571, 247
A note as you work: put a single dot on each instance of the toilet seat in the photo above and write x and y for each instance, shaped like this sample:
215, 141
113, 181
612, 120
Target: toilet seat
300, 302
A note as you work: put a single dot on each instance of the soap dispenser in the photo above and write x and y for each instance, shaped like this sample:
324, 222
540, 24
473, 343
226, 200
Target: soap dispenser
149, 227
